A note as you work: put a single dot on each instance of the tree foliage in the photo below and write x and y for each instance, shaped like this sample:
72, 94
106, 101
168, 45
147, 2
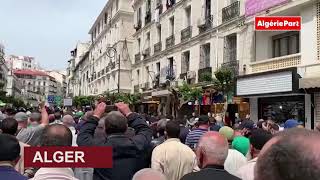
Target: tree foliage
189, 93
224, 80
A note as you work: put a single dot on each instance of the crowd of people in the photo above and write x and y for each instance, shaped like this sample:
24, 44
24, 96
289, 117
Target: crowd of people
160, 148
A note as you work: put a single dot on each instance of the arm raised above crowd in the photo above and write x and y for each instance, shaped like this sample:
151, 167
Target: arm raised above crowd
86, 134
44, 116
143, 132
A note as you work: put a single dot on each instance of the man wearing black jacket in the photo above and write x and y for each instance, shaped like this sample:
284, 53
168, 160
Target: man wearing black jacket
128, 153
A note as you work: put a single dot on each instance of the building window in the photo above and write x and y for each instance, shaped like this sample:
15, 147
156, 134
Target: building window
106, 18
171, 26
138, 76
230, 48
205, 56
147, 74
158, 67
285, 44
185, 64
148, 39
159, 33
188, 16
170, 73
139, 44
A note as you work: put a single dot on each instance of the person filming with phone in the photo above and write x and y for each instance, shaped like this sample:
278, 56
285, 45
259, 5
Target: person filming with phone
128, 152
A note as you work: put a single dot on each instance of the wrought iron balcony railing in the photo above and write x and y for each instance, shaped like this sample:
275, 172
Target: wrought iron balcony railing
186, 34
230, 12
170, 41
137, 57
158, 47
206, 25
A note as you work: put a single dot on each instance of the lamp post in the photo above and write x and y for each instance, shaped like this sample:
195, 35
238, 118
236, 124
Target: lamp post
112, 54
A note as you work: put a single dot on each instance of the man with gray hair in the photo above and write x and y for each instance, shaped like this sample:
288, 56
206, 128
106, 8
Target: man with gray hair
147, 174
68, 121
31, 134
211, 152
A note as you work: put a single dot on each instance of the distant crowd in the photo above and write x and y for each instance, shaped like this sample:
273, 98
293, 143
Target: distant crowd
160, 148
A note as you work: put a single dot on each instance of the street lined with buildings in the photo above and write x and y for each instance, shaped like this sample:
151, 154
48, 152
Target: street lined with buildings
162, 43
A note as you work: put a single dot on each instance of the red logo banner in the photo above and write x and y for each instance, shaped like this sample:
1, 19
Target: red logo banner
278, 23
93, 157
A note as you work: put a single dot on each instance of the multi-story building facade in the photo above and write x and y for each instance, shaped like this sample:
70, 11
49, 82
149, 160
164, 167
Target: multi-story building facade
73, 74
22, 62
14, 86
282, 69
110, 54
3, 68
37, 85
178, 40
61, 82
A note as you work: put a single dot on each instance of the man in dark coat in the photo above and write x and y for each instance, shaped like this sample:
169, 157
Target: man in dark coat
128, 152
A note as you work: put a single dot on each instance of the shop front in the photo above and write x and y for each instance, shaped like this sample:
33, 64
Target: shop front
276, 95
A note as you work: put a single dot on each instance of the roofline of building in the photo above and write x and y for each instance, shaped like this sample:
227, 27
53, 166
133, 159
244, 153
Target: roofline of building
101, 14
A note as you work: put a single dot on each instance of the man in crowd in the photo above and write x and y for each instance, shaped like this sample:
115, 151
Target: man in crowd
291, 155
55, 135
10, 126
161, 125
194, 135
68, 121
128, 153
172, 158
258, 139
9, 156
149, 174
30, 135
212, 152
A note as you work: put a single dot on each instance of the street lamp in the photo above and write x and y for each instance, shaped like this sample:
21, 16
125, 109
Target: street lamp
112, 53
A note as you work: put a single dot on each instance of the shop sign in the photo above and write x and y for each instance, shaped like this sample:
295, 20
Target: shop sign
265, 84
255, 6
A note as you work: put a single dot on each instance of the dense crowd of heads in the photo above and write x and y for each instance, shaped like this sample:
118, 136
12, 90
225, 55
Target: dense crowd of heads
241, 149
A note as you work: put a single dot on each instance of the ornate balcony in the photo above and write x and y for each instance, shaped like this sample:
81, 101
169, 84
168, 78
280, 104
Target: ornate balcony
206, 24
136, 88
233, 66
158, 47
230, 12
146, 53
170, 41
186, 34
137, 58
203, 72
282, 62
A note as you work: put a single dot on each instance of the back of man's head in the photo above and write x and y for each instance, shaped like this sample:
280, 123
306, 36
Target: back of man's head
57, 115
259, 138
212, 149
10, 149
67, 120
9, 126
115, 122
56, 135
294, 156
161, 126
172, 129
35, 117
148, 174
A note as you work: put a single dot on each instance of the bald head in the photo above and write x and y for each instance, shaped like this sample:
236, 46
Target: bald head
56, 135
67, 120
147, 174
212, 149
317, 128
115, 122
291, 155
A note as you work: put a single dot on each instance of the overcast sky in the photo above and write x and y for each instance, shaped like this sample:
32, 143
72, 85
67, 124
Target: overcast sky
46, 29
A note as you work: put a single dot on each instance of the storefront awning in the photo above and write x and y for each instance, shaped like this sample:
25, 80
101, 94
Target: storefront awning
311, 77
308, 83
161, 93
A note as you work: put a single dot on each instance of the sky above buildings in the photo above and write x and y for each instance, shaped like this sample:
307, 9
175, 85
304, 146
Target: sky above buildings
46, 29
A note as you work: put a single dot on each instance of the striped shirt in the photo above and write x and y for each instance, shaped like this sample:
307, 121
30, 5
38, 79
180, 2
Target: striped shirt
194, 136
